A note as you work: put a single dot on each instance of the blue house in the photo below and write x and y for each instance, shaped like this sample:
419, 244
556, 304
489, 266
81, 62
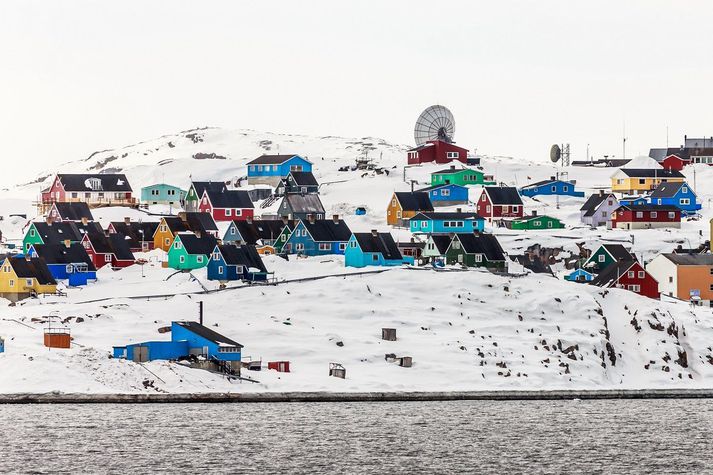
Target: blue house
67, 261
679, 195
579, 275
372, 249
271, 169
553, 186
231, 262
633, 201
448, 194
318, 237
187, 338
444, 223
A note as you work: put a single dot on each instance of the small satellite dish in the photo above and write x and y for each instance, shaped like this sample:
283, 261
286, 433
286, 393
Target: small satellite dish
435, 123
555, 153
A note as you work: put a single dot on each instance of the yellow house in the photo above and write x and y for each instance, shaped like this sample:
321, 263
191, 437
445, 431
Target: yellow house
199, 223
22, 277
637, 181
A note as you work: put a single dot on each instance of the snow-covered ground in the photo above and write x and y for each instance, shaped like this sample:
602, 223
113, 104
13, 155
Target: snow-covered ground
465, 330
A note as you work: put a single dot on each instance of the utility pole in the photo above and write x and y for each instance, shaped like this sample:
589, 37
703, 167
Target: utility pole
624, 141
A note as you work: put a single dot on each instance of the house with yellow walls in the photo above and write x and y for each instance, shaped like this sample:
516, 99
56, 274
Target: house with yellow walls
199, 223
638, 181
23, 277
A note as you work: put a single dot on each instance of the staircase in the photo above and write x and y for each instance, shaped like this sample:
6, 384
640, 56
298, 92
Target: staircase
269, 202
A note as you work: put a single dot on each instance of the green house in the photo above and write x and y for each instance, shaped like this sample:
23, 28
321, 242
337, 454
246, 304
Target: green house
606, 255
535, 222
460, 176
476, 250
282, 238
162, 194
41, 232
189, 251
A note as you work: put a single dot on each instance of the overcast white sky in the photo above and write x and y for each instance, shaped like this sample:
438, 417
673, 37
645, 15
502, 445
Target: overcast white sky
78, 76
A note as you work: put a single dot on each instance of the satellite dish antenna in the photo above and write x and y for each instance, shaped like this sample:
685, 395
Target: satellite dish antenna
435, 123
555, 153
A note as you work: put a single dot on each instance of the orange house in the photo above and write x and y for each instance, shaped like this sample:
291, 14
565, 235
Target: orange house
684, 276
405, 205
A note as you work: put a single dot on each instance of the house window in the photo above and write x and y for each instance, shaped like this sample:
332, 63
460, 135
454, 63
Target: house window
445, 192
642, 274
549, 224
639, 214
324, 246
300, 246
352, 244
670, 280
199, 259
685, 201
220, 269
228, 212
216, 256
456, 244
375, 257
672, 215
68, 268
554, 189
182, 259
654, 214
452, 154
166, 241
601, 258
634, 288
482, 197
232, 230
107, 257
487, 209
630, 274
283, 238
238, 212
684, 190
642, 181
28, 282
342, 246
565, 189
478, 258
424, 224
177, 244
446, 224
515, 209
32, 232
12, 283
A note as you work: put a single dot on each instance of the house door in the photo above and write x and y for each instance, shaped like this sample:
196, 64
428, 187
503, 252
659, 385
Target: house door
460, 258
141, 354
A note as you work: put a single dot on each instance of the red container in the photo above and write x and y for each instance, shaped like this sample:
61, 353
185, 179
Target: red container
58, 340
279, 366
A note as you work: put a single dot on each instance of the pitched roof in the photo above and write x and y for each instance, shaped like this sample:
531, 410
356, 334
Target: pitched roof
328, 230
32, 268
437, 215
485, 244
304, 178
697, 152
201, 222
618, 252
526, 219
198, 245
668, 189
594, 201
547, 182
134, 229
649, 207
443, 185
57, 232
421, 147
253, 231
245, 255
414, 201
207, 333
201, 186
503, 195
272, 159
107, 181
455, 170
304, 204
117, 244
74, 211
441, 241
229, 198
383, 243
651, 173
61, 254
690, 259
612, 273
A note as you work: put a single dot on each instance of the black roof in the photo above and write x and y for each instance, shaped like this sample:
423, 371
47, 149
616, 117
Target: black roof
201, 186
254, 231
442, 185
441, 241
245, 255
414, 200
690, 259
594, 201
92, 227
447, 215
649, 207
667, 189
107, 181
304, 178
117, 244
194, 221
271, 159
74, 211
618, 252
198, 245
485, 244
547, 182
207, 333
328, 230
229, 199
57, 232
133, 229
651, 173
310, 204
612, 272
503, 195
35, 267
421, 147
383, 243
454, 169
61, 254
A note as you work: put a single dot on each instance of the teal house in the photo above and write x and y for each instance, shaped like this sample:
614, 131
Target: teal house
189, 251
162, 194
444, 223
372, 249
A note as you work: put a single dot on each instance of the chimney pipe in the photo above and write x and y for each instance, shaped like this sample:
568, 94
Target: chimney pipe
335, 218
374, 232
183, 216
285, 219
85, 220
127, 220
552, 178
411, 186
459, 210
601, 192
310, 218
49, 220
453, 167
534, 213
67, 243
200, 312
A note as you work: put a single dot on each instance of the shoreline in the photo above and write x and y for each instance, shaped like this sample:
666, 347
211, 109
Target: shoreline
321, 397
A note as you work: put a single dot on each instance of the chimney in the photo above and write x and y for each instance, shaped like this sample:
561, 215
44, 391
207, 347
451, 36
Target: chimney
28, 258
534, 213
453, 167
335, 218
411, 186
198, 233
448, 182
67, 243
238, 243
310, 218
374, 233
85, 220
552, 178
127, 220
601, 192
459, 210
249, 220
285, 219
200, 312
183, 216
49, 220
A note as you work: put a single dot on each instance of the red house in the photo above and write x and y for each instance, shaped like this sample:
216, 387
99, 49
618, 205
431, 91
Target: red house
500, 202
629, 275
646, 217
674, 162
437, 151
112, 249
227, 205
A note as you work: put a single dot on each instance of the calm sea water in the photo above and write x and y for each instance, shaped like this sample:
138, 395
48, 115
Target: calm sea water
656, 436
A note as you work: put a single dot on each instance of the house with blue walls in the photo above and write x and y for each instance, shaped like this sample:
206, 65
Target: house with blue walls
372, 249
187, 339
318, 237
230, 262
633, 201
66, 261
271, 169
553, 186
675, 194
579, 275
448, 194
446, 222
